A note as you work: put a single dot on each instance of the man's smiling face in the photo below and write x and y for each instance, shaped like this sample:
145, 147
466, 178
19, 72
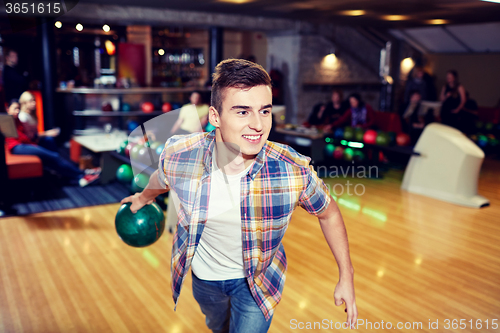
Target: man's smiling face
245, 120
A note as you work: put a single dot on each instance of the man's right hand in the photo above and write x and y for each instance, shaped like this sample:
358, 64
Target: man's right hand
137, 202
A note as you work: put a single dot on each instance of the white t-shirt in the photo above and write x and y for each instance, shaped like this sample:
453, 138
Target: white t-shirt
219, 255
30, 124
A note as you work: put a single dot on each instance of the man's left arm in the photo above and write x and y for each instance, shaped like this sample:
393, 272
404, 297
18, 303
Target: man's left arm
335, 234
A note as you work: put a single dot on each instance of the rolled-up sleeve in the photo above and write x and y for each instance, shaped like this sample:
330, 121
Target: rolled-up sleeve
316, 196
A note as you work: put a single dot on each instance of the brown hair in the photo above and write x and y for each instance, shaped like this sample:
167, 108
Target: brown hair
236, 73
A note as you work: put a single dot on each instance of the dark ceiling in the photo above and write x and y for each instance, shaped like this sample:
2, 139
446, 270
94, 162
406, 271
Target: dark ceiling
415, 12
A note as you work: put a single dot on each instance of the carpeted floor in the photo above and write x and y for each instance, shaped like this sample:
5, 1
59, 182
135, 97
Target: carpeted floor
50, 195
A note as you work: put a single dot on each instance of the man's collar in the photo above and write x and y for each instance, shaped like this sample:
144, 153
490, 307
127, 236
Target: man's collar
209, 146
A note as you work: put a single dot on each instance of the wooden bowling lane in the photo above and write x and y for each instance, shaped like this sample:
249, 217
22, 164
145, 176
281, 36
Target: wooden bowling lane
416, 260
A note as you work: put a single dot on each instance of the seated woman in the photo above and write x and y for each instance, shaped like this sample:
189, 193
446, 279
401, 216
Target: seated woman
359, 114
27, 116
23, 145
323, 114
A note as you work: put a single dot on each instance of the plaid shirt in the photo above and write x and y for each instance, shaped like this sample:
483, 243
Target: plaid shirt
279, 180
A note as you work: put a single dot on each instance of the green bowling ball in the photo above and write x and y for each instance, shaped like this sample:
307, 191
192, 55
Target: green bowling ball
124, 173
348, 154
382, 139
123, 146
358, 134
139, 183
142, 228
134, 152
358, 156
329, 149
348, 133
155, 144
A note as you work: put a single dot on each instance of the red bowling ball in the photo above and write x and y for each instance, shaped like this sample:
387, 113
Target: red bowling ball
129, 146
370, 137
338, 153
403, 139
166, 107
147, 107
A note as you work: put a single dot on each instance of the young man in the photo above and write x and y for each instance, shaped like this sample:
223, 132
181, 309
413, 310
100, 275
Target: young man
237, 193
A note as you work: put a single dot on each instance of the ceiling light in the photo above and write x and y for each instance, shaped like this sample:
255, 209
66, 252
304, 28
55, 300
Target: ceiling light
496, 1
239, 2
438, 21
58, 24
352, 12
106, 28
395, 17
79, 27
161, 52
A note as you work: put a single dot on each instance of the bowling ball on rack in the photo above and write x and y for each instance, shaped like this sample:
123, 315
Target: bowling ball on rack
124, 173
155, 144
159, 150
338, 153
482, 141
329, 149
132, 125
166, 107
489, 126
147, 107
142, 228
358, 134
129, 147
144, 157
123, 146
134, 152
348, 133
370, 137
348, 154
339, 133
382, 139
493, 141
126, 107
106, 107
403, 139
139, 183
358, 156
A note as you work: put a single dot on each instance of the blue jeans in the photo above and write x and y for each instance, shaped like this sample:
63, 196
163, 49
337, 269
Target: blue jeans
48, 142
50, 159
229, 306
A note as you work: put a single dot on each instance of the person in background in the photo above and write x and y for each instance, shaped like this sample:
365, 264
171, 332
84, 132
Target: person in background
359, 114
414, 117
187, 124
468, 115
27, 116
14, 83
323, 114
453, 97
23, 145
422, 82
